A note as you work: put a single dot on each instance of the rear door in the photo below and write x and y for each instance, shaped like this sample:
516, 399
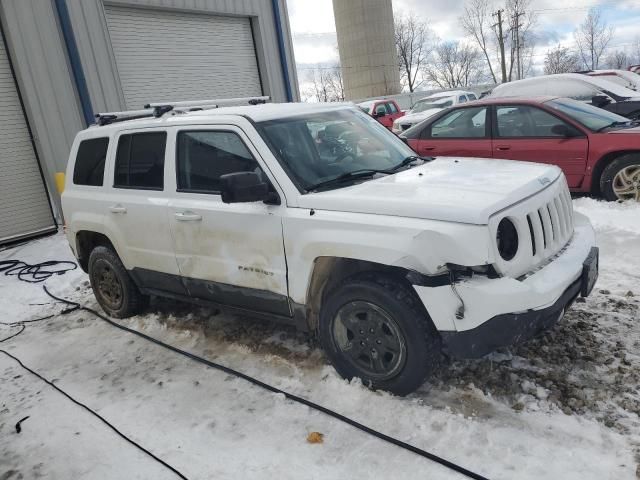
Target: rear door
136, 210
460, 132
525, 132
231, 254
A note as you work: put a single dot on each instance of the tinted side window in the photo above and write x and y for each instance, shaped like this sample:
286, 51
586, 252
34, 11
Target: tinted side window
526, 121
140, 161
461, 123
204, 156
89, 166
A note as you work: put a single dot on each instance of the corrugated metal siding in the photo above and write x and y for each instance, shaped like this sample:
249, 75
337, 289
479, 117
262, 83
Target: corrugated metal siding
24, 206
46, 84
166, 55
92, 36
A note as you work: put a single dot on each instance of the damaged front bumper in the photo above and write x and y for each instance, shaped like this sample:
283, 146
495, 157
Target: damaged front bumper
506, 311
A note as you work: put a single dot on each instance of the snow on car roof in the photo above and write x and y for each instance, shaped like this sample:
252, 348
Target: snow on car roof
562, 83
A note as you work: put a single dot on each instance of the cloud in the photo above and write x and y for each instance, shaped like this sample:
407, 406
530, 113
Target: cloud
314, 38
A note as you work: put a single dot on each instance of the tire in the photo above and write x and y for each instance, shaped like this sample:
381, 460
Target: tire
361, 320
112, 286
620, 179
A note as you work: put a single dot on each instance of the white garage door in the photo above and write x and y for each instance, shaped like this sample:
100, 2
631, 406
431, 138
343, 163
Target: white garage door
164, 56
24, 205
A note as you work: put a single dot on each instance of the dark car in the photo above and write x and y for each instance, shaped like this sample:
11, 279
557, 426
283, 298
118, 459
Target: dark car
598, 151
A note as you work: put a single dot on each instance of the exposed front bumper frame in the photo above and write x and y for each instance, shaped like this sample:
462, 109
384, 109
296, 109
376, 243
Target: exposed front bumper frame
508, 329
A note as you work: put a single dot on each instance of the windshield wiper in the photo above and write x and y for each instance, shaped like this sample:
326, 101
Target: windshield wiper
614, 124
407, 161
363, 173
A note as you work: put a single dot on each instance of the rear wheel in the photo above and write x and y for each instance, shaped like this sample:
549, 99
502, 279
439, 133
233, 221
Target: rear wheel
373, 327
621, 179
112, 286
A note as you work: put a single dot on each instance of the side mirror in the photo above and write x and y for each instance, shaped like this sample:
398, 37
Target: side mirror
561, 131
379, 113
600, 101
242, 187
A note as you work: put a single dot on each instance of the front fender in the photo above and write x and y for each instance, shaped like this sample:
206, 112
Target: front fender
425, 246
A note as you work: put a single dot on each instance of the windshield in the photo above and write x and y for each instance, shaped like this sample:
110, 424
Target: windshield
591, 117
428, 103
322, 146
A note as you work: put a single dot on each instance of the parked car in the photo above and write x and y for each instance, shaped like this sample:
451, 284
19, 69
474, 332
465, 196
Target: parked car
385, 111
635, 69
598, 151
428, 106
597, 91
624, 78
386, 257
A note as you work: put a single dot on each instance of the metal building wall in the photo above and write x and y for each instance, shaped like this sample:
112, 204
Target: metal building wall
40, 62
98, 61
45, 77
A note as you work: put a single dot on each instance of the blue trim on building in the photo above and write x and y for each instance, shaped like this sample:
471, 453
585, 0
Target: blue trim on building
281, 48
74, 60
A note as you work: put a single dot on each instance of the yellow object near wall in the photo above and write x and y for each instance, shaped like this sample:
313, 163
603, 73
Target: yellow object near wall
59, 182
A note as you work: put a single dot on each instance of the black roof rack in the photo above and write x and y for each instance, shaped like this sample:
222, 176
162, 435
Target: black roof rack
158, 109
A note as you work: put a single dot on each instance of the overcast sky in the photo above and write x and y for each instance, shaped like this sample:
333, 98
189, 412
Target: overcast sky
314, 36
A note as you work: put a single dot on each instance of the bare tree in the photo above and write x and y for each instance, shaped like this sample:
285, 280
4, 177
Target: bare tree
560, 60
476, 23
635, 49
455, 65
412, 39
505, 37
618, 60
592, 36
326, 84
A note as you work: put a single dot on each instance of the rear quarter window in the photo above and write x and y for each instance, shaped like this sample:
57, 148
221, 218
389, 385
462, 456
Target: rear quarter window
90, 160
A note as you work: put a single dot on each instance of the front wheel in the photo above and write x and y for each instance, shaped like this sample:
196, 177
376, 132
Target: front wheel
373, 327
621, 179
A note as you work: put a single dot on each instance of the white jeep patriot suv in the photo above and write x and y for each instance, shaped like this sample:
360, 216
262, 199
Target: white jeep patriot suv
319, 216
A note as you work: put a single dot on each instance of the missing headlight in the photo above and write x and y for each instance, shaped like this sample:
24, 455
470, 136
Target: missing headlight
507, 238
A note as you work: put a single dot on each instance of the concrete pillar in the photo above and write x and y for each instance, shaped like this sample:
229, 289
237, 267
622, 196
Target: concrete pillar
367, 48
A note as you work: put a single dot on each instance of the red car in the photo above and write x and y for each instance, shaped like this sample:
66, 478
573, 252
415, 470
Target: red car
385, 111
598, 151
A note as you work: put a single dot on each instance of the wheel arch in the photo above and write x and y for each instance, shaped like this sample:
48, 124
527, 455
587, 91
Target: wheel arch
329, 271
86, 241
602, 163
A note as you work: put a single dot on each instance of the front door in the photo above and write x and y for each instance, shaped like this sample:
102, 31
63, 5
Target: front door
462, 132
525, 132
231, 254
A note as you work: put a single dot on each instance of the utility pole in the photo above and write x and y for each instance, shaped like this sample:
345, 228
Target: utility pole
516, 28
503, 64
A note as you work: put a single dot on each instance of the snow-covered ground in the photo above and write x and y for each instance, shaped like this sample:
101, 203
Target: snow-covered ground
566, 405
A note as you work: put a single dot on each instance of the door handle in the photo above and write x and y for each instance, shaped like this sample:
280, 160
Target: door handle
117, 209
428, 148
503, 147
188, 217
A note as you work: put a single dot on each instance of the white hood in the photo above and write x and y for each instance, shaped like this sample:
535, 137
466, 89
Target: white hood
464, 190
413, 118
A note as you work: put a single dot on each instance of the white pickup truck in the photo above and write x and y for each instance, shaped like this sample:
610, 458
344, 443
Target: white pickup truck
319, 216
